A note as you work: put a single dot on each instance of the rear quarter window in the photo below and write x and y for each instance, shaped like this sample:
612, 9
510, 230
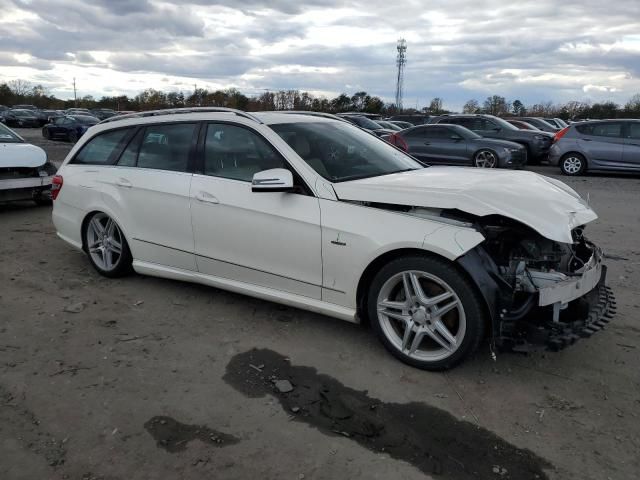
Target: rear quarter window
101, 149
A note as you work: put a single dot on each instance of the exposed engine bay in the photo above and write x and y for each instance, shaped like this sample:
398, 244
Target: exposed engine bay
539, 291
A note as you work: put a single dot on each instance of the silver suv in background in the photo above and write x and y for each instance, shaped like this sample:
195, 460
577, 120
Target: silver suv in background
612, 145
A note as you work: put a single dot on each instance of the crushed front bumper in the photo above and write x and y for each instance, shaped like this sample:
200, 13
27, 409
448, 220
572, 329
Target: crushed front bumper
564, 312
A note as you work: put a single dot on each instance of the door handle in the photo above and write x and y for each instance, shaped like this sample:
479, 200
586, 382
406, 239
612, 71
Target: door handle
427, 143
123, 182
206, 197
586, 139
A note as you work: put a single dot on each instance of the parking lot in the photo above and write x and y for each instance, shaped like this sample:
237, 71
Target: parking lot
149, 378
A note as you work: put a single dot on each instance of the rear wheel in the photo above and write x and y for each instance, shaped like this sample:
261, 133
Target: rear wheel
485, 159
425, 312
106, 246
573, 164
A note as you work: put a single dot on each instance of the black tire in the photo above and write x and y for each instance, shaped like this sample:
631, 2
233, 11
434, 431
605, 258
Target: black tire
123, 266
46, 134
73, 136
573, 164
531, 160
468, 295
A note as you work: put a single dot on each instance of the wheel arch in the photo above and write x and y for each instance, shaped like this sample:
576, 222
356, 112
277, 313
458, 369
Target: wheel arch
85, 221
484, 288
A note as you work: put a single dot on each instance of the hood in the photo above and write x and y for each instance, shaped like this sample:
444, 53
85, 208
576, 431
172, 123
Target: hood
546, 205
21, 155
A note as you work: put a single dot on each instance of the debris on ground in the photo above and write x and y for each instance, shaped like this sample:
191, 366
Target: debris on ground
75, 307
283, 386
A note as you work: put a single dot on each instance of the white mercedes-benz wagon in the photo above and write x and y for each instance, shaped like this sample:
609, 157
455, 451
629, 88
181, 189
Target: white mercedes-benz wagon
310, 211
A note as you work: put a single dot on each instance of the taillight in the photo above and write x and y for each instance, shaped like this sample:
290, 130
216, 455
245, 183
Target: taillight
560, 134
56, 186
397, 140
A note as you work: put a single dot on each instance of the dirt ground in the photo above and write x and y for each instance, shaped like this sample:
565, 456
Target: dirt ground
143, 378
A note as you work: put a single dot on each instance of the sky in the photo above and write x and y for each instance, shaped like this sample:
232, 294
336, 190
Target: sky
534, 51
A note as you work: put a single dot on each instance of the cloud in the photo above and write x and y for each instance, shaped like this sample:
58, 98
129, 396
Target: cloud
457, 49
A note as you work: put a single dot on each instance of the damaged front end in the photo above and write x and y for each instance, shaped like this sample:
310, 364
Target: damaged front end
540, 292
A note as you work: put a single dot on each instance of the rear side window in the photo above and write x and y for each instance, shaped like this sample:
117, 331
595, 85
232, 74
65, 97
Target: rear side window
101, 148
613, 129
634, 130
166, 147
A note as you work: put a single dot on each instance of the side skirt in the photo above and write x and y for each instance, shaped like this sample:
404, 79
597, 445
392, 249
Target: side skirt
264, 293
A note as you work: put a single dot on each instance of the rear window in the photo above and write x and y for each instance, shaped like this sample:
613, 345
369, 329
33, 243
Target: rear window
100, 150
601, 129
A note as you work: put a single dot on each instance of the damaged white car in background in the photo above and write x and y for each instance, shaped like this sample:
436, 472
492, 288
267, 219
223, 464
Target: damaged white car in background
25, 173
315, 213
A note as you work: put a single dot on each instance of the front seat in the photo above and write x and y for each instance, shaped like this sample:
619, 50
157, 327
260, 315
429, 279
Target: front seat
303, 149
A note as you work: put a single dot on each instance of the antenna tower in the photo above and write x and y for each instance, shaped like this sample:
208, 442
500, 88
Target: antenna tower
401, 61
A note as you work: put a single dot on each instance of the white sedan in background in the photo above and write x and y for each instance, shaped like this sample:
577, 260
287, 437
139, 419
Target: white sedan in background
315, 213
25, 173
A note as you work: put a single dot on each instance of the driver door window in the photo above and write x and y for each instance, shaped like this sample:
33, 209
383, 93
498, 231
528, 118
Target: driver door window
237, 153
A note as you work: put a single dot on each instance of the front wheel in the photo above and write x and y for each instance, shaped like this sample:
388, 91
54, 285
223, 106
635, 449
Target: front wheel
73, 136
573, 164
425, 312
45, 133
485, 159
106, 246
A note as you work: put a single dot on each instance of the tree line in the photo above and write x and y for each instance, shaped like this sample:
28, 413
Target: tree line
20, 92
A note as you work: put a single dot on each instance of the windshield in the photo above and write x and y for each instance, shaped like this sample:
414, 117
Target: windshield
22, 113
364, 122
465, 132
85, 120
340, 152
504, 124
7, 136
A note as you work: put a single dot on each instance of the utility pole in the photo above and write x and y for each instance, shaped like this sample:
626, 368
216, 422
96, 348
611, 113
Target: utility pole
401, 61
75, 97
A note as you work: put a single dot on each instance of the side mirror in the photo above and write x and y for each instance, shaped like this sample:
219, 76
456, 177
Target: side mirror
274, 180
496, 129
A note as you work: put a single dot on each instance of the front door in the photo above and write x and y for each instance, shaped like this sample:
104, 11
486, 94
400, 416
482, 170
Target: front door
268, 239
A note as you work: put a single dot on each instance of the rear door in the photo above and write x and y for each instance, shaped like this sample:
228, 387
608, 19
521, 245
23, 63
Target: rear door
419, 142
631, 154
602, 142
148, 190
268, 239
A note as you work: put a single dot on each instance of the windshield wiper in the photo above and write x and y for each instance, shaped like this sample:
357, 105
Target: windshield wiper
361, 176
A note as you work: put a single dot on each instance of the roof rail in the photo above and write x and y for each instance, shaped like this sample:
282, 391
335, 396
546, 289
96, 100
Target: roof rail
173, 111
312, 113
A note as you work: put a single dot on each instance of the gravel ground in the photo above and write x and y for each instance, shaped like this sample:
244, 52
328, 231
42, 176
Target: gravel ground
142, 378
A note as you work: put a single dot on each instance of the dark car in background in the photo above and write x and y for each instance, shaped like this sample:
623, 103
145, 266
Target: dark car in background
21, 118
366, 123
401, 124
489, 126
389, 125
612, 145
68, 127
556, 122
456, 145
540, 124
522, 125
412, 118
102, 113
25, 107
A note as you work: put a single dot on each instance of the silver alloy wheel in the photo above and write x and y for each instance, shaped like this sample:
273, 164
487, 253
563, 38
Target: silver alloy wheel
421, 315
486, 159
572, 165
104, 241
